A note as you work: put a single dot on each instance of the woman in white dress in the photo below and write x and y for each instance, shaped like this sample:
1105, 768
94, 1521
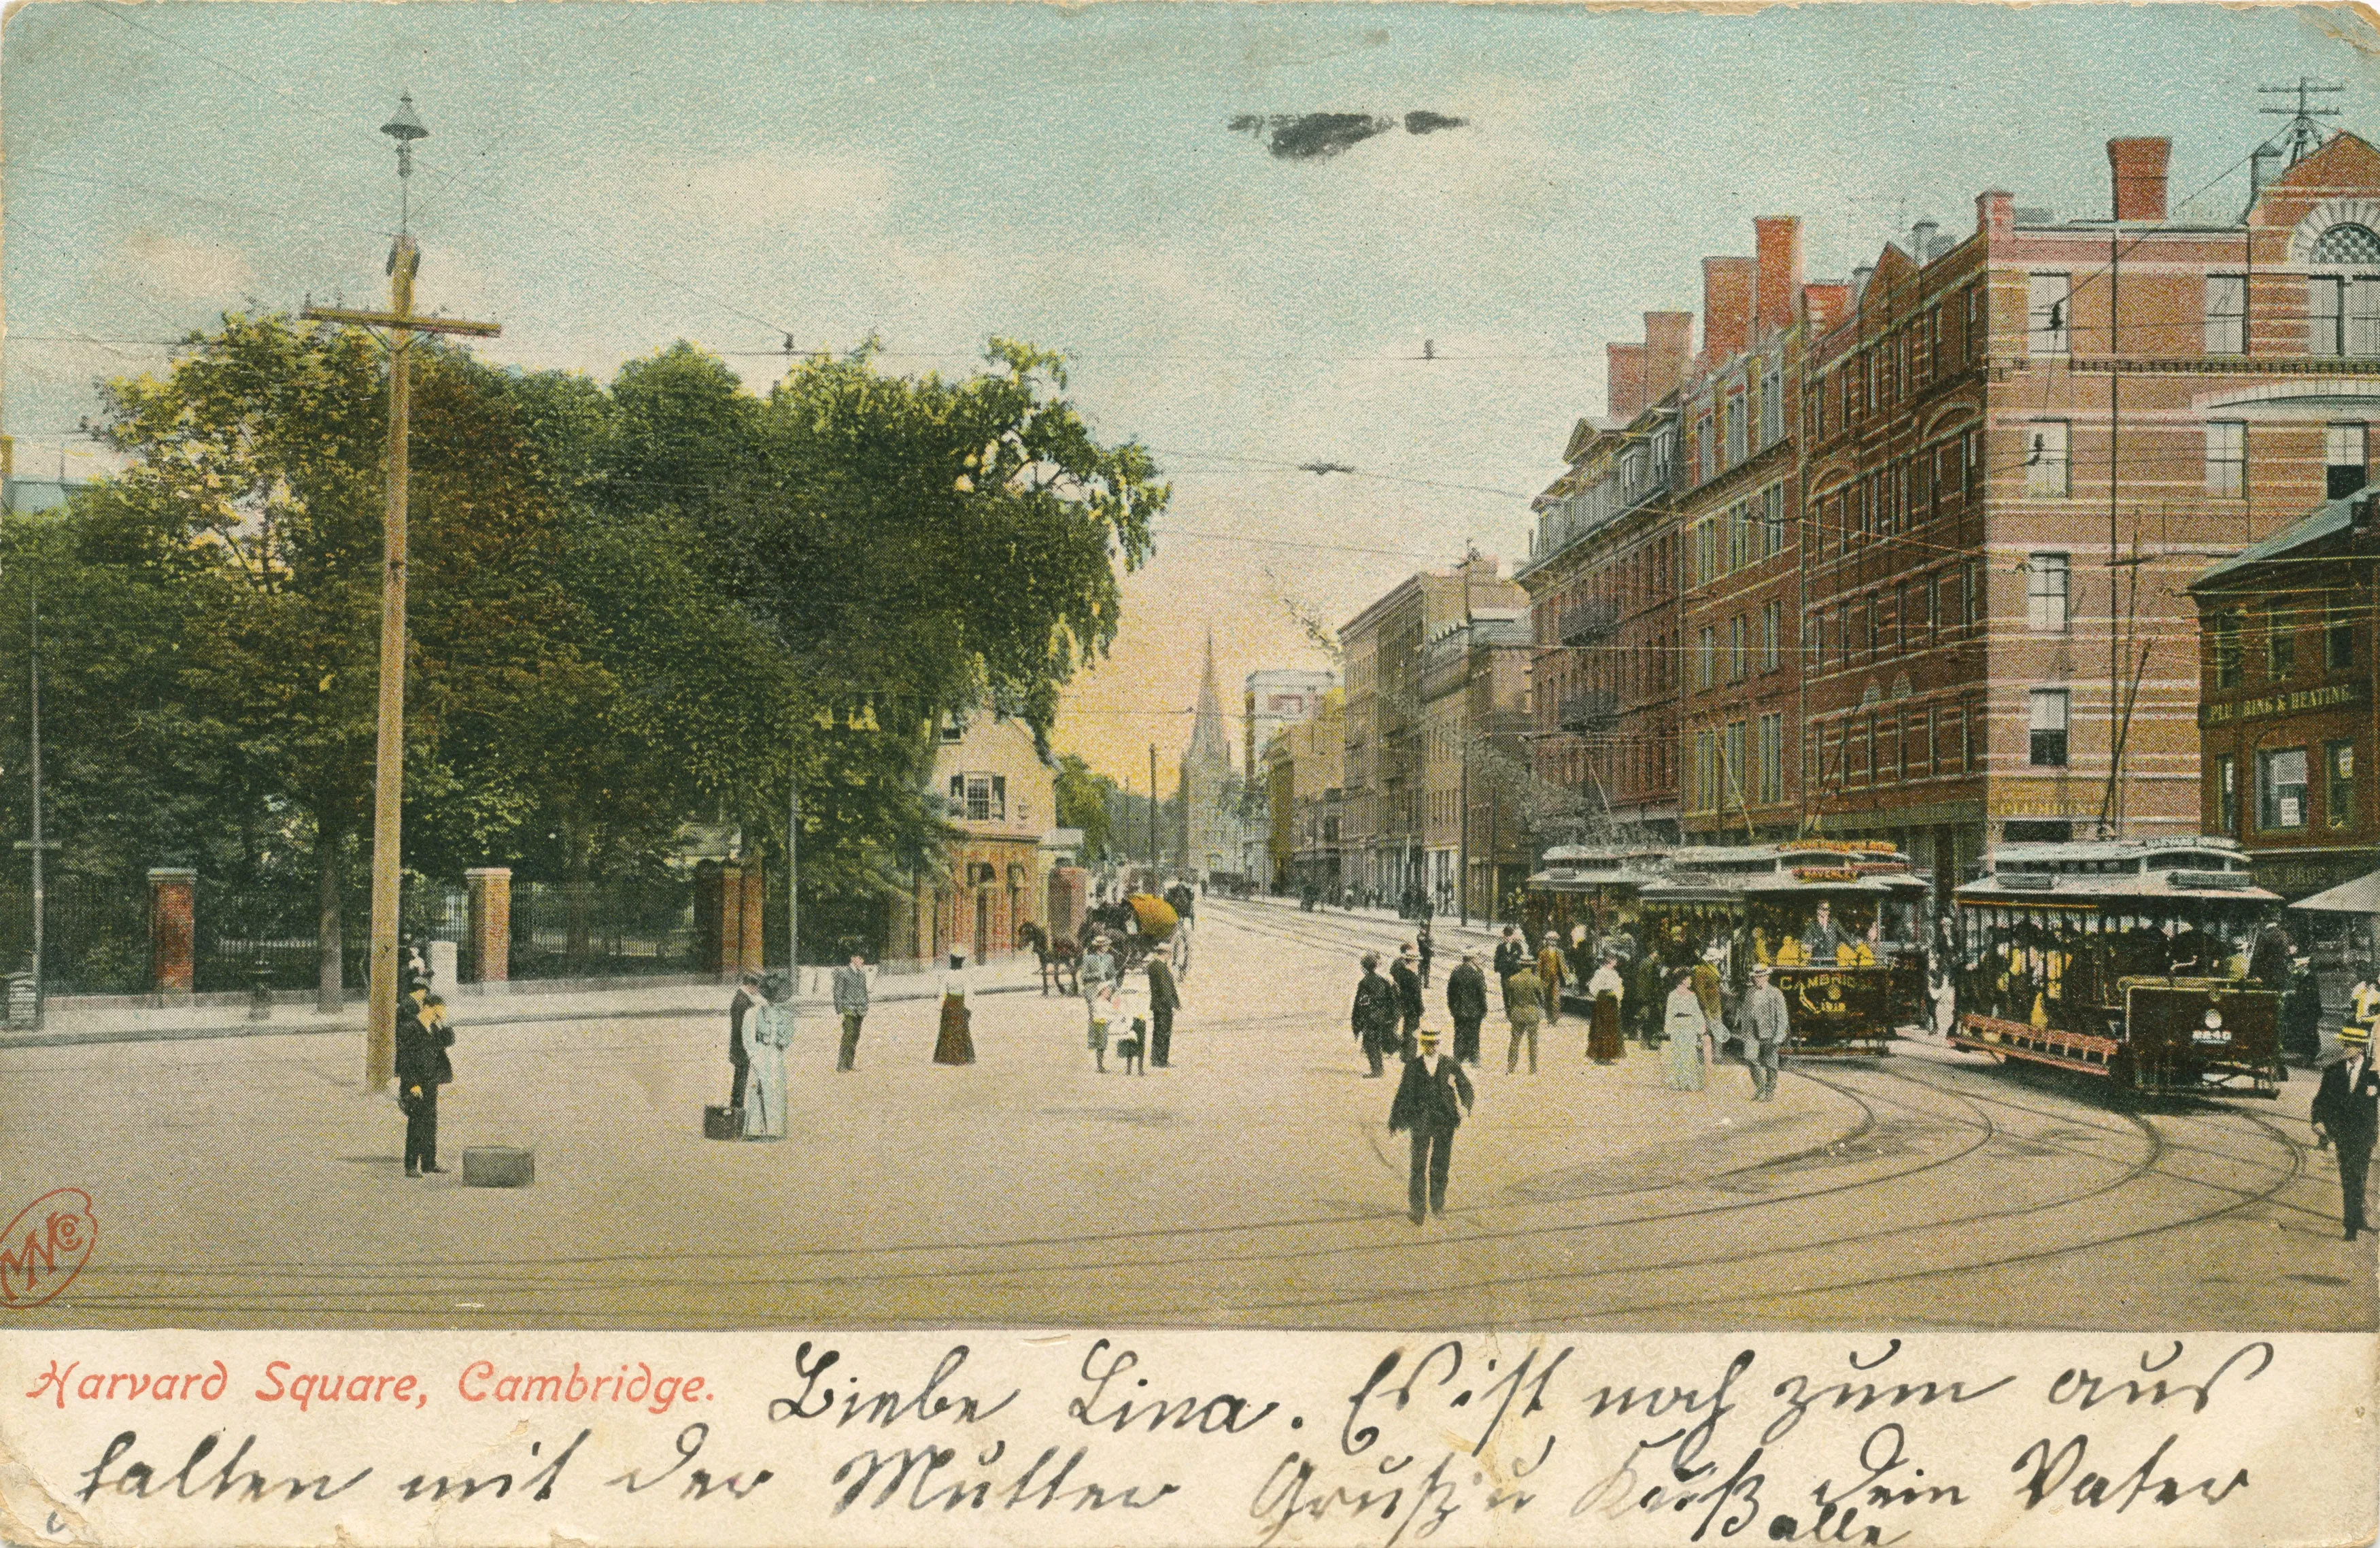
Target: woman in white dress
1684, 1028
767, 1031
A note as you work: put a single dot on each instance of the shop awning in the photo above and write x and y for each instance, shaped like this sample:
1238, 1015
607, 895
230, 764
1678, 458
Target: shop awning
2360, 896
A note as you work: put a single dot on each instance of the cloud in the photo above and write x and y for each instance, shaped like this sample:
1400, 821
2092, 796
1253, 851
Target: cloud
1304, 137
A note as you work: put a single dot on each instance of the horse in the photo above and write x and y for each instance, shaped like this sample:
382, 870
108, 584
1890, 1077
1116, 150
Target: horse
1061, 959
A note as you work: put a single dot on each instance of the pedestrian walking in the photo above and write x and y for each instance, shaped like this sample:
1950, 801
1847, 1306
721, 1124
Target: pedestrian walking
1427, 948
1375, 1015
851, 1004
2346, 1117
1509, 955
1649, 986
1164, 998
1466, 1002
767, 1032
2268, 960
957, 1043
2301, 1016
1607, 993
1405, 975
1683, 1029
1432, 1096
1764, 1026
1553, 974
422, 1039
748, 998
1093, 975
1524, 1002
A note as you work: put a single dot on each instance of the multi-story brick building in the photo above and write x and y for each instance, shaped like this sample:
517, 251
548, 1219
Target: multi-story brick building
1999, 647
1271, 699
1475, 688
1739, 512
1382, 809
2288, 706
1001, 796
1602, 584
1304, 763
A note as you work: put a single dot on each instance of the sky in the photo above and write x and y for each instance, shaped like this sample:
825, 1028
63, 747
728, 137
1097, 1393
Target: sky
604, 178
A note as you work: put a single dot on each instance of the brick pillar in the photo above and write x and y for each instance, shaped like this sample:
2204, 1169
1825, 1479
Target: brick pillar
709, 886
492, 922
753, 915
731, 921
1069, 896
172, 932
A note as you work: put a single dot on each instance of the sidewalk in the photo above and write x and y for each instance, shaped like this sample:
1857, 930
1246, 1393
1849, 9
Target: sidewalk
519, 1003
1450, 936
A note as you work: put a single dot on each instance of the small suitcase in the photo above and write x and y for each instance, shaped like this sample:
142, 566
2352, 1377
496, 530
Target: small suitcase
723, 1123
498, 1166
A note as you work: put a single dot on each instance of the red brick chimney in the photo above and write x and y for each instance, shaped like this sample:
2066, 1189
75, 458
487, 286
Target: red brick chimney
1623, 381
1669, 343
1996, 213
2136, 168
1778, 242
1829, 303
1727, 307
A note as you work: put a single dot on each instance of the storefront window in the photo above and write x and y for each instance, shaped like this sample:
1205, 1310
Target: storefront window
2281, 788
2338, 780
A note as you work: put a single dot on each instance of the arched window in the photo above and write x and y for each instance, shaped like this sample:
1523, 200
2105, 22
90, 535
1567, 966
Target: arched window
2348, 243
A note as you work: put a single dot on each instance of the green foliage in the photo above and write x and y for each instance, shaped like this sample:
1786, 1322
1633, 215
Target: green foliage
630, 607
1085, 801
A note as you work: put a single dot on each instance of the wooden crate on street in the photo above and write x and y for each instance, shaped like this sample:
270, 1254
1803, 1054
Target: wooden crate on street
498, 1166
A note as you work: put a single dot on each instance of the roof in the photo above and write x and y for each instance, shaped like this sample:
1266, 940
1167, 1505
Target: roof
2016, 857
2047, 887
2325, 520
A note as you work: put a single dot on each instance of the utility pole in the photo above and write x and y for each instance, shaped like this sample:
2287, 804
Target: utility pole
2111, 811
388, 770
39, 845
793, 886
1152, 813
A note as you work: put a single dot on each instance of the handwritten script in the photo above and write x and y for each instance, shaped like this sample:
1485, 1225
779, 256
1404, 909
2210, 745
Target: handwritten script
1179, 1437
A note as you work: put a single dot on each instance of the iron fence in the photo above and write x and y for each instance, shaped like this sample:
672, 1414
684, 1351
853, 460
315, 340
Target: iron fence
587, 929
95, 934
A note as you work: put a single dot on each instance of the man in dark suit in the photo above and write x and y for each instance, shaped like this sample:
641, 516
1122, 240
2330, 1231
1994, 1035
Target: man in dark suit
1510, 953
1375, 1016
1466, 1001
1164, 998
748, 996
1431, 1101
2347, 1115
1406, 975
422, 1039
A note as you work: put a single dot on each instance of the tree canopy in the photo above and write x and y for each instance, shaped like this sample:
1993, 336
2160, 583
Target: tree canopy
632, 606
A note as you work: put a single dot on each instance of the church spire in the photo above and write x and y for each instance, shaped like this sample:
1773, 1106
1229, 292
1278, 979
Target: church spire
1208, 742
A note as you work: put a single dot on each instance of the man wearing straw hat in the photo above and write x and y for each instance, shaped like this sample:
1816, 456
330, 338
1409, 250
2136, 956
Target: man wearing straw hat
2347, 1115
1431, 1099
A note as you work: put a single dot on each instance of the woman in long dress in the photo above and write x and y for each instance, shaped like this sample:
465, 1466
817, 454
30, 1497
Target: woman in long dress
955, 1045
1683, 1027
1603, 1040
767, 1031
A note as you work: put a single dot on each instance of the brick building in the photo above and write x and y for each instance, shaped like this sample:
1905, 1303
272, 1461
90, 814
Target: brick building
1000, 794
1474, 687
2000, 648
1382, 807
2286, 711
1304, 763
1602, 584
1740, 516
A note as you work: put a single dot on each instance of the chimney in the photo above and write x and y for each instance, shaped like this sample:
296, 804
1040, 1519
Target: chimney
1921, 240
1860, 276
1727, 307
1669, 341
2136, 169
1996, 215
1830, 302
1623, 381
1778, 241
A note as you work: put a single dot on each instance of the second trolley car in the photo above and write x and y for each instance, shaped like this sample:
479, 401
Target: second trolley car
1837, 924
2122, 959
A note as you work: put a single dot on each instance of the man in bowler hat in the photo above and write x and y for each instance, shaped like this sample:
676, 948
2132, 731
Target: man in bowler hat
2347, 1116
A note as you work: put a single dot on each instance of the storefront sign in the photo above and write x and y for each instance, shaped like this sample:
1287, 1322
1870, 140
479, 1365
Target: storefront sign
2298, 701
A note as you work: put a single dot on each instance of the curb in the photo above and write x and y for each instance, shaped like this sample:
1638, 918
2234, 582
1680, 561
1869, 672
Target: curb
204, 1032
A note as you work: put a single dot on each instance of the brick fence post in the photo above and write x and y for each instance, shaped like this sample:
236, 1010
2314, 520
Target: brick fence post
172, 929
492, 922
731, 921
755, 913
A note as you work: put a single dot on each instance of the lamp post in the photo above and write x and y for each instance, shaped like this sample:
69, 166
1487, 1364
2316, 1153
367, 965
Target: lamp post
400, 325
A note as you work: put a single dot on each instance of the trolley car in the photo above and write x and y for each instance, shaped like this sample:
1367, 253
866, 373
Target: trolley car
1597, 887
2126, 960
1837, 925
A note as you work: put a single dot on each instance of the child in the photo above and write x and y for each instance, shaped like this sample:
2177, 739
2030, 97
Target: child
1129, 1017
1100, 994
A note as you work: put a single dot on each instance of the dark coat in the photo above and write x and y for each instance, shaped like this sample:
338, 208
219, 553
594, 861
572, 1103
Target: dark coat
1508, 955
1164, 994
2350, 1117
737, 1009
422, 1053
1467, 993
1408, 984
1375, 1014
2268, 962
1430, 1099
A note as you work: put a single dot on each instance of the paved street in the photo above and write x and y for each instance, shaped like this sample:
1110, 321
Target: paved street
249, 1182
